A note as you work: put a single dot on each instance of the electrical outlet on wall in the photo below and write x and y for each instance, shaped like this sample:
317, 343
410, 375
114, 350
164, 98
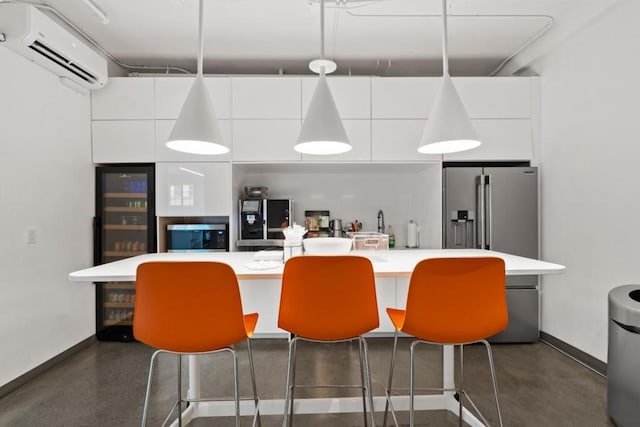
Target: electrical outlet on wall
31, 236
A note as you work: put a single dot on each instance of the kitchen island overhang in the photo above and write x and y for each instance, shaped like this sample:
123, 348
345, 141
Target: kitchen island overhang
395, 263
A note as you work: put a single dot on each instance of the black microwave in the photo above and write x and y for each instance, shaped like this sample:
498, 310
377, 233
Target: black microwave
198, 237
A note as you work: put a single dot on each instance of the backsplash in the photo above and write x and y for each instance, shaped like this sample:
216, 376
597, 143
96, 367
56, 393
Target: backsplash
357, 192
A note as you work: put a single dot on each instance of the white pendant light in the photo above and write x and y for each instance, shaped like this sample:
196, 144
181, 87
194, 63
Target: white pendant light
322, 130
197, 130
448, 129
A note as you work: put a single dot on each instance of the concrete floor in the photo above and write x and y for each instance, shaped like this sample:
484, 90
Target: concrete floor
104, 385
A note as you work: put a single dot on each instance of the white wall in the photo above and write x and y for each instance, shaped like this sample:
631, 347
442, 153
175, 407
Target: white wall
590, 175
46, 183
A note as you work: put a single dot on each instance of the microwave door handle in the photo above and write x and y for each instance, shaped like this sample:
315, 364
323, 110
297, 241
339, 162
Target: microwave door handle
480, 199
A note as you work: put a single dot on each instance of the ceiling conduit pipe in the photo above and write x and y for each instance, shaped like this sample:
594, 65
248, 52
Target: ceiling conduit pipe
504, 62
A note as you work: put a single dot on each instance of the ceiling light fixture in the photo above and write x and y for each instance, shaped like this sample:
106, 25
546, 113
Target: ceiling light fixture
448, 129
322, 130
197, 130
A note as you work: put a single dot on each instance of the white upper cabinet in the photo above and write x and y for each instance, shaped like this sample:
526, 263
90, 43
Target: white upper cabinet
265, 140
502, 139
265, 98
495, 97
193, 189
124, 98
261, 117
164, 154
171, 92
402, 97
397, 141
359, 134
483, 97
352, 95
123, 141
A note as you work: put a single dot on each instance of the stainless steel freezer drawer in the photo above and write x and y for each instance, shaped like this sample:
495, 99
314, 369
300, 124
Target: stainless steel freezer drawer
523, 317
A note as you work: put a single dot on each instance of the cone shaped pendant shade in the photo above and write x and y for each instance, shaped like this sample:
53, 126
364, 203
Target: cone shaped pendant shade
322, 130
197, 130
448, 129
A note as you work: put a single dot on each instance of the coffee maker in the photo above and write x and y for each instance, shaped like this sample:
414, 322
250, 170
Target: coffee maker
263, 219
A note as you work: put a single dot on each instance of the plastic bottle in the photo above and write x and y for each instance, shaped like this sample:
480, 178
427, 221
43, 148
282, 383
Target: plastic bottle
392, 237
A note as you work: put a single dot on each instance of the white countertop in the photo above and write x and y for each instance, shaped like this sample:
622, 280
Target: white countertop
395, 263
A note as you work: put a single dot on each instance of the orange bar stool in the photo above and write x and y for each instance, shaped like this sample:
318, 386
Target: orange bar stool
328, 299
452, 301
191, 308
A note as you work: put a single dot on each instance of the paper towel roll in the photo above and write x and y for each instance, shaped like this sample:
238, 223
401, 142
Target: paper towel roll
412, 235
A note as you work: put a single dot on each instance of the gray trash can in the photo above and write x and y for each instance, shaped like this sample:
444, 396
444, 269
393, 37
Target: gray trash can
623, 362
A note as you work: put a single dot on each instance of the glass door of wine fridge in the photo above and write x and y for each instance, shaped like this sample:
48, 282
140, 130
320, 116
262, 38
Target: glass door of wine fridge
124, 226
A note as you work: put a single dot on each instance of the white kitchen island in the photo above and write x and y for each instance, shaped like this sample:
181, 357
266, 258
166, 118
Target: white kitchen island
260, 288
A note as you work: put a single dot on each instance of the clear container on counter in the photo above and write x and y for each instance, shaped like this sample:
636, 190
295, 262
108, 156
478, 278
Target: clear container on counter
369, 242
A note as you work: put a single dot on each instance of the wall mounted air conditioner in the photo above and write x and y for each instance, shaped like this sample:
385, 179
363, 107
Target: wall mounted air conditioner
31, 33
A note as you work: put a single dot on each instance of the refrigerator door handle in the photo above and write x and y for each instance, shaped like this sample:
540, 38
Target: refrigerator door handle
489, 204
480, 200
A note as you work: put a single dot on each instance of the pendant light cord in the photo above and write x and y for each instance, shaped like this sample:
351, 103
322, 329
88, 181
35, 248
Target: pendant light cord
322, 35
445, 46
200, 37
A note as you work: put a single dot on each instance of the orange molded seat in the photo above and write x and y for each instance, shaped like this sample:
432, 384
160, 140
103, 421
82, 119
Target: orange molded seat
328, 298
453, 301
190, 308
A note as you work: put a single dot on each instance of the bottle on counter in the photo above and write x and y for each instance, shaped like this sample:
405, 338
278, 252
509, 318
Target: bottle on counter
392, 237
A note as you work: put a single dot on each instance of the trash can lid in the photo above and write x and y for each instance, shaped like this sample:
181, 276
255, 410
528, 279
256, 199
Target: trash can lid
624, 304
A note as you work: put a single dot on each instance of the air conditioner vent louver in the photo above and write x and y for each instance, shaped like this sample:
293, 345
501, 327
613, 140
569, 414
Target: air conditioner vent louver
39, 38
63, 62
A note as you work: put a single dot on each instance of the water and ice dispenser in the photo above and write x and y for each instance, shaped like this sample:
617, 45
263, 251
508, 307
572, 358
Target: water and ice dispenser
462, 229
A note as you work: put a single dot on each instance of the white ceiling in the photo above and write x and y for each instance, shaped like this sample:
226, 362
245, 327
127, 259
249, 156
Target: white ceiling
377, 37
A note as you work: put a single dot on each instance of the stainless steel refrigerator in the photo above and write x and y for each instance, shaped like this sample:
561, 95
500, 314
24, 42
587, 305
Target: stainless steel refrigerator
497, 208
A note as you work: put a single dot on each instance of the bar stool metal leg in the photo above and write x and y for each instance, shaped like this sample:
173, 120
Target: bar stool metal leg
236, 386
253, 382
362, 382
179, 390
389, 384
460, 392
288, 392
368, 379
493, 378
412, 382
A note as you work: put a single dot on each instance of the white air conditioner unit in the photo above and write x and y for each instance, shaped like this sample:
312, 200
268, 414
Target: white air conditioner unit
34, 35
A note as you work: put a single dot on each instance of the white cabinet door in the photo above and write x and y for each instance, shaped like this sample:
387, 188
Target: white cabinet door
164, 154
495, 97
193, 189
397, 140
402, 289
171, 92
402, 97
265, 140
123, 141
124, 98
502, 139
359, 134
263, 297
386, 296
352, 95
265, 97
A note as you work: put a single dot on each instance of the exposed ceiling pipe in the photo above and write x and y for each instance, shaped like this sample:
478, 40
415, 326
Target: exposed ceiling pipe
504, 62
